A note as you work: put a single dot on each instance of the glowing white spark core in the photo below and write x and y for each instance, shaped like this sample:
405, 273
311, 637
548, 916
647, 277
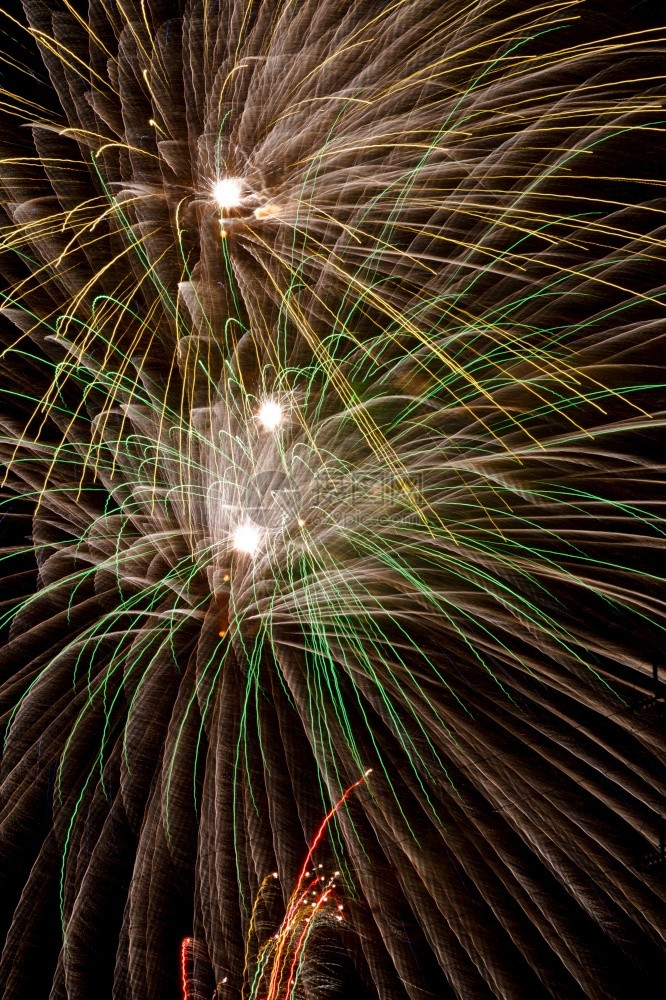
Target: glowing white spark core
270, 415
246, 538
227, 192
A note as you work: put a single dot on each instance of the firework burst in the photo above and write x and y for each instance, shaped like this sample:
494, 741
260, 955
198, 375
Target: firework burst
329, 389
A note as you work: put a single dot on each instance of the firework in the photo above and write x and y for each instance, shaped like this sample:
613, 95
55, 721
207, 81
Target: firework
329, 392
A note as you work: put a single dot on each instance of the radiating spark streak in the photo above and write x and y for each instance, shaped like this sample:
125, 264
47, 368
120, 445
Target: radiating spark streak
300, 914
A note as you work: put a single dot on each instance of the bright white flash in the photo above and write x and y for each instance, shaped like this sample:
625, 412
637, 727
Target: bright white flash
246, 538
228, 192
270, 415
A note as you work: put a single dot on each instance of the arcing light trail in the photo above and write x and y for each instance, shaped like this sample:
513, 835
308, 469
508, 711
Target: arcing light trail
280, 958
313, 900
331, 408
